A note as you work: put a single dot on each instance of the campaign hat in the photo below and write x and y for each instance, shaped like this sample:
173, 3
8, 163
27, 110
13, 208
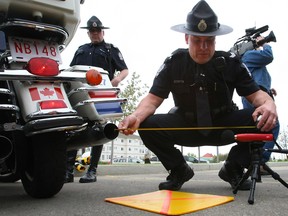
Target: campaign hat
94, 22
202, 21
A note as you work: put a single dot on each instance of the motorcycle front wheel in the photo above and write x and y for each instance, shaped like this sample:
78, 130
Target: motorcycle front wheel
43, 171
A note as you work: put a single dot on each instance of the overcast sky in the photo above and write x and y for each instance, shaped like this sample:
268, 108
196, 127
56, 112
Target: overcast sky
141, 30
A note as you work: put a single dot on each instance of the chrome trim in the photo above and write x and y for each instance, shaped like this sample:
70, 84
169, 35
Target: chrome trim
88, 89
85, 68
65, 128
49, 113
9, 107
6, 91
23, 75
12, 126
108, 100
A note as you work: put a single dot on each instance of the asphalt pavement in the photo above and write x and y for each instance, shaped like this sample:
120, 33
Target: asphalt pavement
76, 199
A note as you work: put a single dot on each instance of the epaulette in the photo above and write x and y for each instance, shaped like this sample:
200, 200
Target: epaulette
108, 45
178, 51
83, 45
175, 54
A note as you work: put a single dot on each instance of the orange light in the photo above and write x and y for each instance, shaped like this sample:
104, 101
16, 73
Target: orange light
52, 104
93, 77
42, 67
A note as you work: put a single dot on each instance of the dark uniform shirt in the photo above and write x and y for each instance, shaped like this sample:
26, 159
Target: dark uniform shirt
181, 76
103, 55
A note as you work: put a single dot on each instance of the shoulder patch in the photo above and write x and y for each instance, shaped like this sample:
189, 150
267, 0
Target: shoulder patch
120, 56
232, 55
160, 69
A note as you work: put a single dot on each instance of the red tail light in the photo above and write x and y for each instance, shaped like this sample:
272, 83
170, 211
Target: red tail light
42, 67
52, 104
103, 94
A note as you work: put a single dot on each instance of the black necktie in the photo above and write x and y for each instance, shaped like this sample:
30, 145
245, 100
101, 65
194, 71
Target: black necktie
203, 105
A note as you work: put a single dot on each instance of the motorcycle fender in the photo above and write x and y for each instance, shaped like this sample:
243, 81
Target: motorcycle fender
31, 95
62, 13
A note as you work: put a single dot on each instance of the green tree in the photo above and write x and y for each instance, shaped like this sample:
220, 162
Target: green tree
133, 92
191, 154
221, 157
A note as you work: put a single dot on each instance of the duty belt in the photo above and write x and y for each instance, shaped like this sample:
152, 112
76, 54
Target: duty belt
191, 116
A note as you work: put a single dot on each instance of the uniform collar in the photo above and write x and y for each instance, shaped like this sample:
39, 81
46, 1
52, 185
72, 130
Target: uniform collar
98, 44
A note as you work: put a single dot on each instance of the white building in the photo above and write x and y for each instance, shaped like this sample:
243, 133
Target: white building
124, 146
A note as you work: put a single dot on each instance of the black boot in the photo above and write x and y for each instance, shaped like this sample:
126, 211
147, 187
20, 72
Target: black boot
71, 156
90, 175
177, 178
232, 173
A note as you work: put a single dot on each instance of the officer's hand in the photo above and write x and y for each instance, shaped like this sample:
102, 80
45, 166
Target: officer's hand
115, 81
129, 125
268, 118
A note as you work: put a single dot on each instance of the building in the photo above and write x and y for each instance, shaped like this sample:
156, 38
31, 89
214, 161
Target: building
208, 156
124, 146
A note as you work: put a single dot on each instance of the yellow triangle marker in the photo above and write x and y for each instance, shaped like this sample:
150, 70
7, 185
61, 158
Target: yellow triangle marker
171, 202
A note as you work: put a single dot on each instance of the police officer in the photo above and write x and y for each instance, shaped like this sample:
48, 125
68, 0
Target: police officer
197, 76
104, 55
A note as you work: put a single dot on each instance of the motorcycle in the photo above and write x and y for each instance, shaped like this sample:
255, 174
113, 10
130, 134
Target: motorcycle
44, 111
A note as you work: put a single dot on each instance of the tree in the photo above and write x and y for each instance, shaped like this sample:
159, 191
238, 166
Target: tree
283, 139
133, 92
219, 157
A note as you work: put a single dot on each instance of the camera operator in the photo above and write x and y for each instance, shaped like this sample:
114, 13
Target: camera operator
256, 60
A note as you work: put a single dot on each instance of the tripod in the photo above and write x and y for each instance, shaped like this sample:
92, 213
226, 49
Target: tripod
256, 148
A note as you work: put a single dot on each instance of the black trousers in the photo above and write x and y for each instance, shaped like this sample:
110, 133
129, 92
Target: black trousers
162, 142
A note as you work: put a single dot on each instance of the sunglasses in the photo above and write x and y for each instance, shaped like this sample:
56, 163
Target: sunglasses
95, 30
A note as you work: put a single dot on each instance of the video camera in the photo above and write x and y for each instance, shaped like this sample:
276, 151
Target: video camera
248, 41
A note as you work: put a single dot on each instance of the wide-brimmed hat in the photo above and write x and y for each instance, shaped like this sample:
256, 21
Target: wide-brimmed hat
94, 22
202, 21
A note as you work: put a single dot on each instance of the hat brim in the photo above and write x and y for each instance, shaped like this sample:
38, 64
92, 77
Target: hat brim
103, 27
223, 29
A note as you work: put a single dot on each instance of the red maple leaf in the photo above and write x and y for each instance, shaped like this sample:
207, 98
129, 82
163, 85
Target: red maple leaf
47, 92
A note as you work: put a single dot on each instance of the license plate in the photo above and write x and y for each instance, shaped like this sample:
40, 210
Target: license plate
23, 49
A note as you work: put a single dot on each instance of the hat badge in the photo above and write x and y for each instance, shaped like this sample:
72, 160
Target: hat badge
94, 24
202, 26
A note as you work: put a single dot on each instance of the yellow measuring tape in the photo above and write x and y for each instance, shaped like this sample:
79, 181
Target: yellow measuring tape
190, 128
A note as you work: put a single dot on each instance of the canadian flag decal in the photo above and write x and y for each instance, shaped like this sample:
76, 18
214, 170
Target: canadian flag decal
47, 92
59, 93
34, 94
40, 94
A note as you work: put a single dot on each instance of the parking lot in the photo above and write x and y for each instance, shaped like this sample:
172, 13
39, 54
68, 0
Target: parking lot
77, 199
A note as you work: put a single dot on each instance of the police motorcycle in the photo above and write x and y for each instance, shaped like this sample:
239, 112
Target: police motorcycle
45, 111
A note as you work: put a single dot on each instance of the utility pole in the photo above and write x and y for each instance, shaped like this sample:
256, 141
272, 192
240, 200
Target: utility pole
112, 152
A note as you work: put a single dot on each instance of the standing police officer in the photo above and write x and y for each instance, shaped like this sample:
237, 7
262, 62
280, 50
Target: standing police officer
104, 55
197, 76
